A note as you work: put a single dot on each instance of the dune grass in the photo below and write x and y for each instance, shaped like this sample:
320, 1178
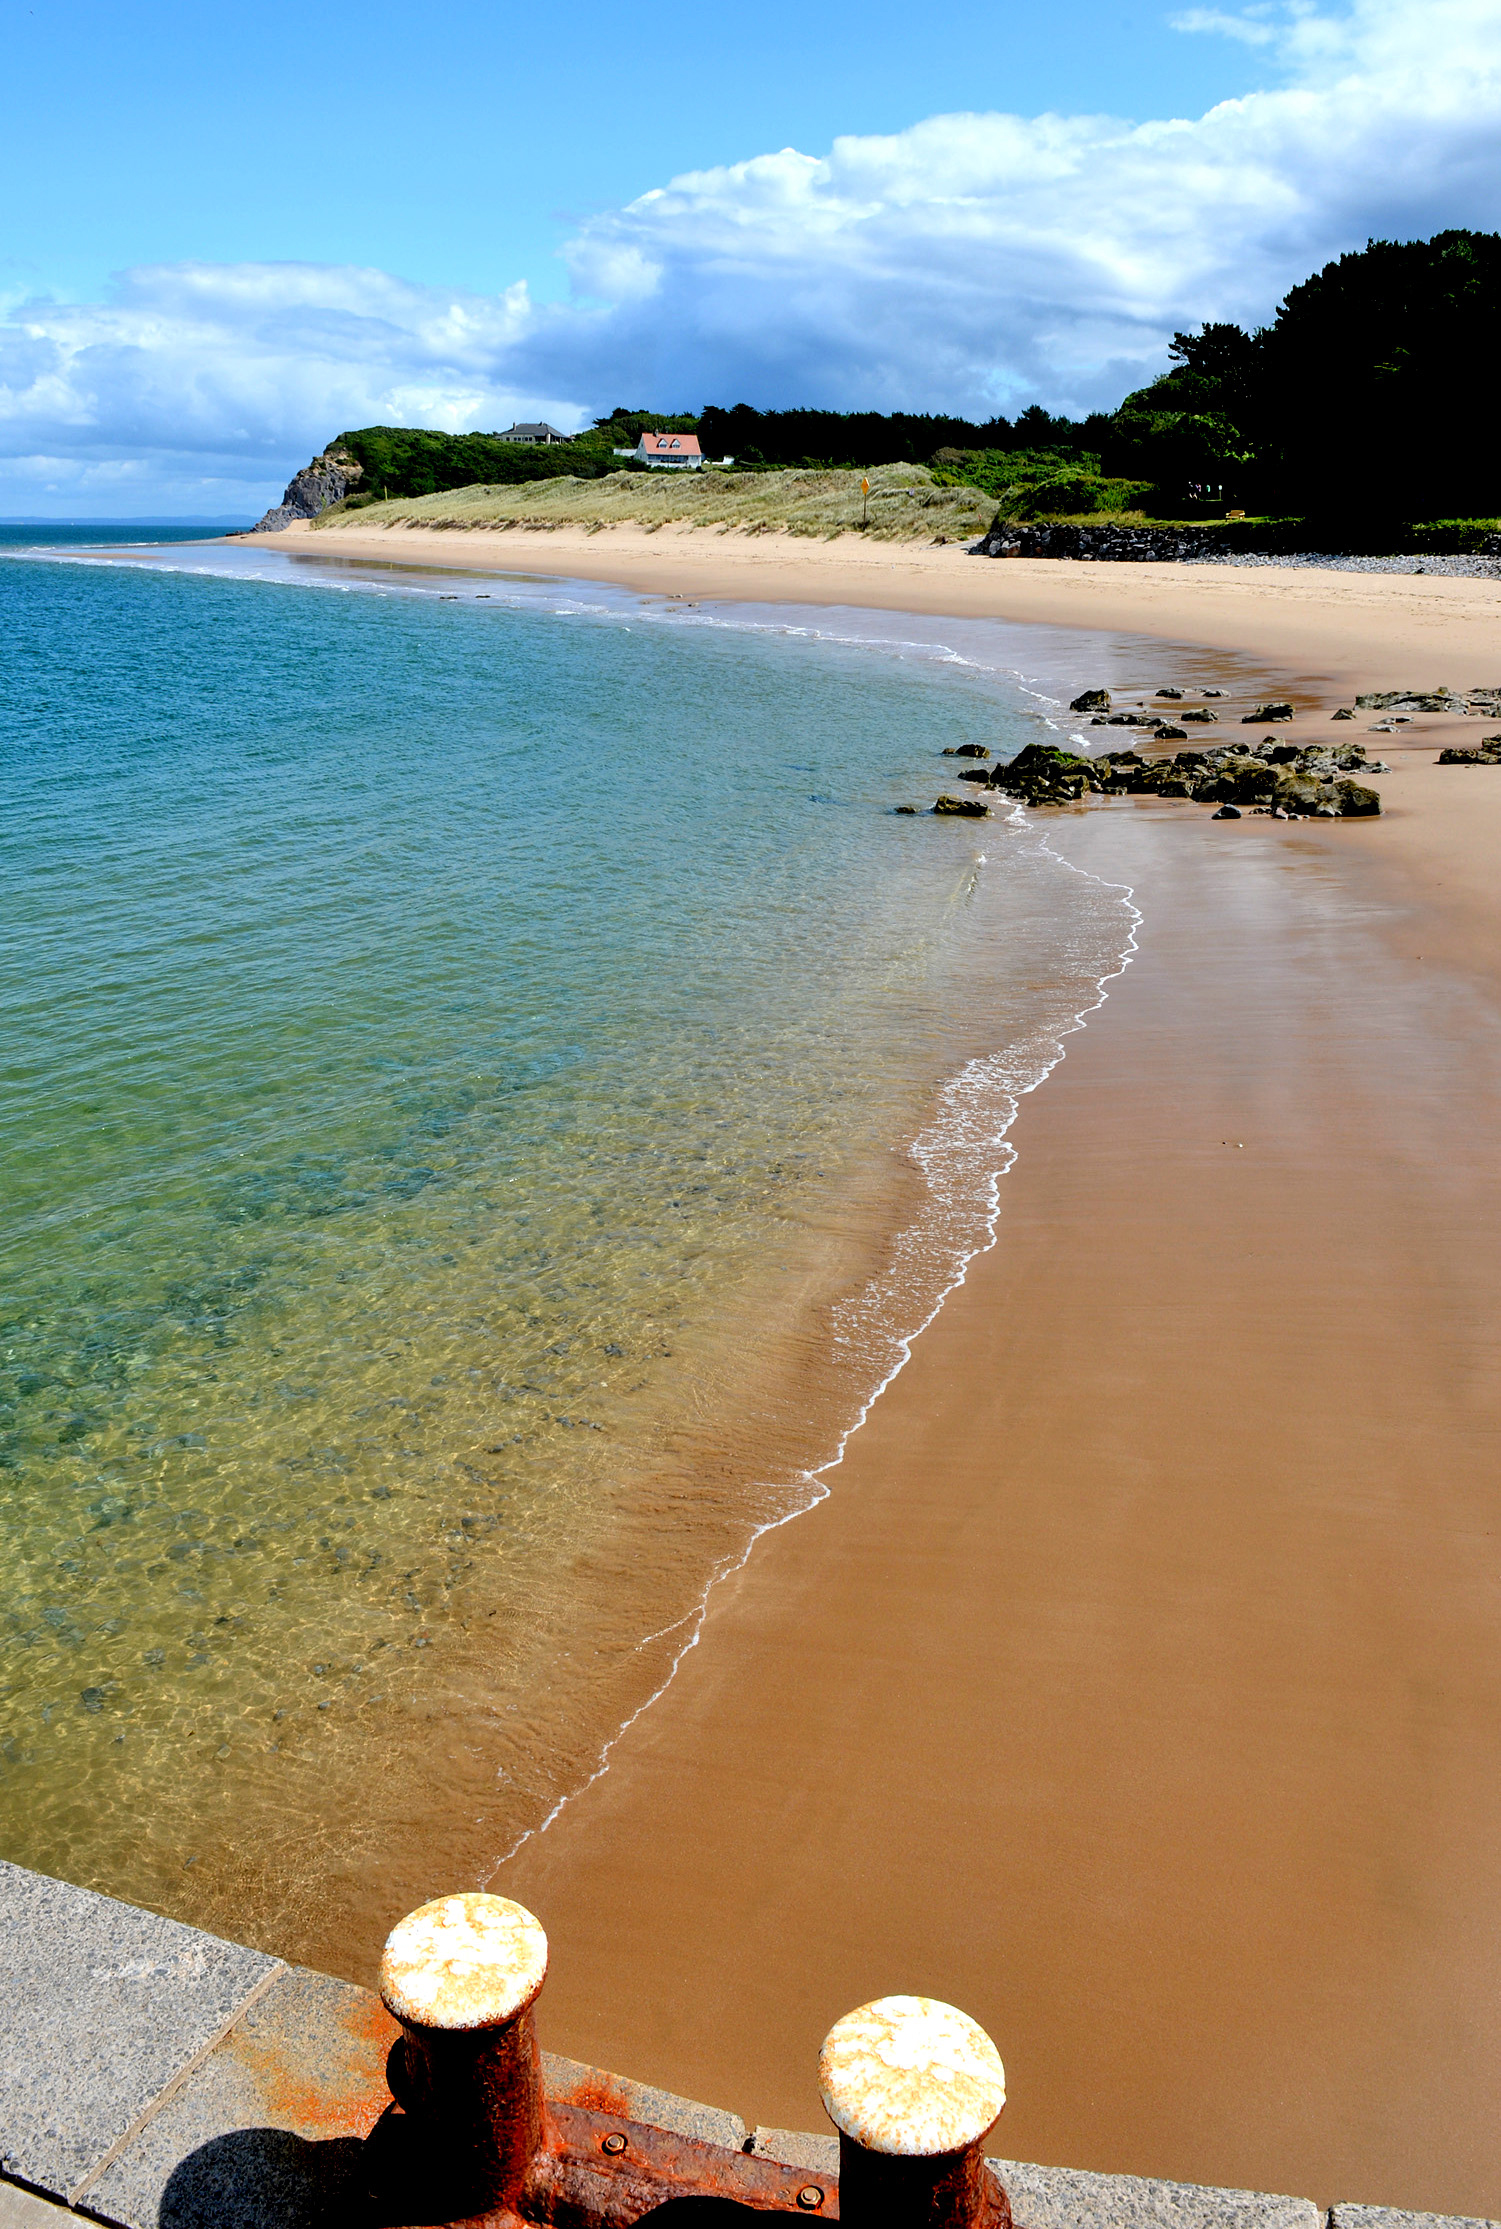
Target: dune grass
906, 504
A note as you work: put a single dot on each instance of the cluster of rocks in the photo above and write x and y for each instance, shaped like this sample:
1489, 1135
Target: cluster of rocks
1471, 702
1487, 752
1206, 545
327, 480
1268, 777
1141, 544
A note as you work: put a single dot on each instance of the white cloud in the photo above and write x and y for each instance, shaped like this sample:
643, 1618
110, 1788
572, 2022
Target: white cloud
1251, 28
973, 262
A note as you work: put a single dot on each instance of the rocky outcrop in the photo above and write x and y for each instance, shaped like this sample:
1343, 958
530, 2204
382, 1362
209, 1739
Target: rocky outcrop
1267, 777
967, 750
319, 485
1486, 701
1487, 752
1092, 700
969, 808
1264, 712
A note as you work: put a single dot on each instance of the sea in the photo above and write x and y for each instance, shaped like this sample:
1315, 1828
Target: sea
492, 1087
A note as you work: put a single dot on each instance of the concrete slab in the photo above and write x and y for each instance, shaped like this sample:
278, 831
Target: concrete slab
1388, 2217
104, 2007
1073, 2198
796, 2147
270, 2128
22, 2209
573, 2083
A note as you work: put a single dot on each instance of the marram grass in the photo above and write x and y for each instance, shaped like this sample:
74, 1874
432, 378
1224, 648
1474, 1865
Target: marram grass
906, 504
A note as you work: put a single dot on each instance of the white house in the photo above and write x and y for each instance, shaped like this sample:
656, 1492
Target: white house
670, 452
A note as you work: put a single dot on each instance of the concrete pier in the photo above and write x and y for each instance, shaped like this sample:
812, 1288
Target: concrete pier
154, 2077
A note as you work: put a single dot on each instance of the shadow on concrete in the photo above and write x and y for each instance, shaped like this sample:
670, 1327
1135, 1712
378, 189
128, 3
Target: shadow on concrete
267, 2178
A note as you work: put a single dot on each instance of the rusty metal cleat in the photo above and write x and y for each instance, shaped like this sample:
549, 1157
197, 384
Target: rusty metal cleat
477, 2143
914, 2087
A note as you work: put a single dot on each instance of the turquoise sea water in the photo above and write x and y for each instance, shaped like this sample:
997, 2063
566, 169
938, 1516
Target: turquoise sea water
488, 1083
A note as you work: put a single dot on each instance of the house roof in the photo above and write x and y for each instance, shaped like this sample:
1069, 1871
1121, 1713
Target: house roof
670, 444
537, 432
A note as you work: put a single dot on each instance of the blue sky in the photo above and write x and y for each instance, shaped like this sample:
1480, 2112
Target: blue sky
462, 147
227, 235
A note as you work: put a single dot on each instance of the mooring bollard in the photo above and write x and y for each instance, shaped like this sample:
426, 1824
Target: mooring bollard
461, 1975
914, 2087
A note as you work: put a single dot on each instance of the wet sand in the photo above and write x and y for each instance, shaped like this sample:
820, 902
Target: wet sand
1138, 1686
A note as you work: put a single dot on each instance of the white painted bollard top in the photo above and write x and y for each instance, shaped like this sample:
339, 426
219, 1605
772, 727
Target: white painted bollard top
911, 2077
467, 1961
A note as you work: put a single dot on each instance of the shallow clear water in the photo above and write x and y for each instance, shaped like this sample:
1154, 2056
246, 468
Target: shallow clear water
463, 1048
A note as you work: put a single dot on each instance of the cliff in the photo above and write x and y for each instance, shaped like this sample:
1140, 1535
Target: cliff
328, 479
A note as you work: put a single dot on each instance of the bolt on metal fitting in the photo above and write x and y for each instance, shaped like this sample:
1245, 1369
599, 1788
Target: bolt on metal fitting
914, 2087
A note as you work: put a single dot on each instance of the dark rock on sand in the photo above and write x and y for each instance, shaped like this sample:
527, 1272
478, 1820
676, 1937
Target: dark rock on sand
1425, 700
1265, 776
1266, 712
1175, 694
1201, 713
1092, 700
1344, 713
1226, 812
970, 808
1172, 735
1487, 752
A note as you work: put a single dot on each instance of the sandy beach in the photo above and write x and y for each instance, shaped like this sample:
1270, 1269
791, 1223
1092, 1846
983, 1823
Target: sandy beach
1393, 630
1137, 1687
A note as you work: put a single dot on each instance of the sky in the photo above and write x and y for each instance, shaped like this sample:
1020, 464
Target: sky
227, 235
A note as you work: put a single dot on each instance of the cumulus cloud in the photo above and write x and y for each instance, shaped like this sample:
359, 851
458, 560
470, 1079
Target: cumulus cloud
972, 262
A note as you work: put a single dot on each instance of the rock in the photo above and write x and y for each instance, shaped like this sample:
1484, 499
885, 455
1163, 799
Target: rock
1214, 692
1487, 752
966, 750
1226, 812
1172, 735
904, 808
1201, 713
1175, 694
1355, 802
1279, 753
1128, 720
1092, 700
1421, 700
974, 774
327, 480
1377, 766
1265, 712
1352, 756
1344, 713
970, 808
1043, 775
